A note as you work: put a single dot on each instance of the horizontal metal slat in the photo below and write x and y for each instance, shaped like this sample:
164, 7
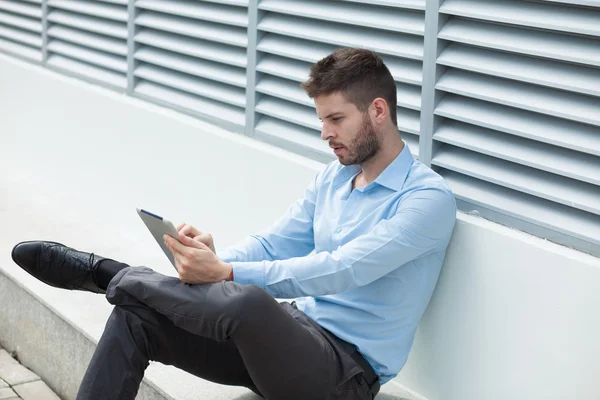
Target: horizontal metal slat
100, 59
108, 11
528, 97
86, 70
590, 3
408, 46
408, 96
403, 70
91, 40
22, 37
532, 42
527, 180
193, 47
283, 89
408, 4
121, 2
354, 14
239, 3
545, 157
20, 50
201, 87
20, 22
282, 67
193, 66
295, 138
207, 30
537, 15
18, 7
213, 109
91, 24
296, 49
576, 78
535, 211
572, 135
198, 10
408, 121
290, 112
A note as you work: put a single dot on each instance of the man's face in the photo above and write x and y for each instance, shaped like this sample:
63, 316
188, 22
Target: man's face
349, 132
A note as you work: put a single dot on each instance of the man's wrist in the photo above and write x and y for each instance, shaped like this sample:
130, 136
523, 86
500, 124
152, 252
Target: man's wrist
229, 269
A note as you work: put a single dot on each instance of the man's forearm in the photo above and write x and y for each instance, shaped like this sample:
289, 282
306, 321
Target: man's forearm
248, 250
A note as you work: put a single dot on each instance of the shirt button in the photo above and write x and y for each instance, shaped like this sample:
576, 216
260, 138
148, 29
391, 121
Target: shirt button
338, 230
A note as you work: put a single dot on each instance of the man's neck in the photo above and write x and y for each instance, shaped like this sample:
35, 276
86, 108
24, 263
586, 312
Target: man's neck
391, 147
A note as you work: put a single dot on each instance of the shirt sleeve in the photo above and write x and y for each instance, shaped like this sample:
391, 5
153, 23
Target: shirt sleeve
422, 225
289, 236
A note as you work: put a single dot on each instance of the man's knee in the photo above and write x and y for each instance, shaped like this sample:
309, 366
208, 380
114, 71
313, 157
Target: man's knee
249, 300
132, 321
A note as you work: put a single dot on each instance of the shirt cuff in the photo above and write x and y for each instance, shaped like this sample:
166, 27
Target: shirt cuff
249, 273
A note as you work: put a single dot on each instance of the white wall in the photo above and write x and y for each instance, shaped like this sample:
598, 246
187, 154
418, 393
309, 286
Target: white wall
513, 316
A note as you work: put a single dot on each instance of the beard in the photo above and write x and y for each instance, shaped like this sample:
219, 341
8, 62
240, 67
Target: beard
364, 146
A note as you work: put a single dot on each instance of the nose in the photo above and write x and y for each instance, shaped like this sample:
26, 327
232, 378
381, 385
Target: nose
327, 132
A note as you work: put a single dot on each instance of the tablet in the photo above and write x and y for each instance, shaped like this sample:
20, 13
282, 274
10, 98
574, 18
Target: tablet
158, 226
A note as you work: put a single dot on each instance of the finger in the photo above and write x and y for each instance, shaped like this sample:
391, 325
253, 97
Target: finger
204, 237
173, 244
188, 231
191, 242
181, 225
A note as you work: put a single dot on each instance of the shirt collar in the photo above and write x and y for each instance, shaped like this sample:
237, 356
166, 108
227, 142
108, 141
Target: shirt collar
392, 177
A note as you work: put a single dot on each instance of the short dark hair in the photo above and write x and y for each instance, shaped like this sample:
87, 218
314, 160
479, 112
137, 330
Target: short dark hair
359, 74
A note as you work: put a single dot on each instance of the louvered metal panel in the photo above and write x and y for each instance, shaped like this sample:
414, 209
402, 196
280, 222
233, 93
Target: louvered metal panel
296, 34
511, 89
195, 53
544, 218
21, 28
89, 39
518, 130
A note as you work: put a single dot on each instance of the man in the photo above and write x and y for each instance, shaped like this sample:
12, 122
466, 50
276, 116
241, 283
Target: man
379, 223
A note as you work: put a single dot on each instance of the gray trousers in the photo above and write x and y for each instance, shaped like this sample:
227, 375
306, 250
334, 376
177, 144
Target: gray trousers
223, 332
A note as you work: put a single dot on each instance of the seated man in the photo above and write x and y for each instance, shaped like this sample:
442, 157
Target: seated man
379, 223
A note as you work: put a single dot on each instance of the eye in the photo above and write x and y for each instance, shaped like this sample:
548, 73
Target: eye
336, 118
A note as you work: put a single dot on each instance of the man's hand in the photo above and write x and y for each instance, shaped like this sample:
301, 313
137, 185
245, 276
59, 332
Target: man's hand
193, 233
195, 261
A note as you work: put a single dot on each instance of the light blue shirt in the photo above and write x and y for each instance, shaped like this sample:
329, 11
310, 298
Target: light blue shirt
378, 251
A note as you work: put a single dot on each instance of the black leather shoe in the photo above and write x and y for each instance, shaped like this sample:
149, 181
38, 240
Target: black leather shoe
58, 265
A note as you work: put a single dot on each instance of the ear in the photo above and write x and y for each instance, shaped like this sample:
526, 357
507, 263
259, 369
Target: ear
379, 111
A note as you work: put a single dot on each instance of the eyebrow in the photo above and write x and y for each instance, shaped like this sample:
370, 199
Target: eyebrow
331, 115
